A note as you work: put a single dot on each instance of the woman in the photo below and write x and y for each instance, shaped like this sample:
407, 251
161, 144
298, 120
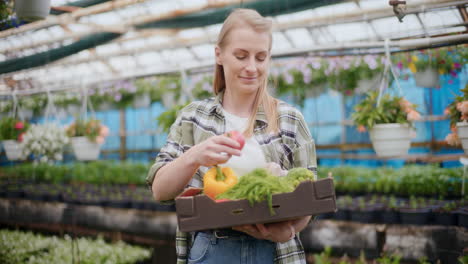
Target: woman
275, 131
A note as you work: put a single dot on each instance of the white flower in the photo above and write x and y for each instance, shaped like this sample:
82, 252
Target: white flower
45, 142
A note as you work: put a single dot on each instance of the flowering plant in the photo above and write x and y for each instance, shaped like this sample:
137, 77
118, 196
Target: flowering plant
45, 141
203, 87
311, 74
392, 109
92, 129
12, 129
444, 60
457, 111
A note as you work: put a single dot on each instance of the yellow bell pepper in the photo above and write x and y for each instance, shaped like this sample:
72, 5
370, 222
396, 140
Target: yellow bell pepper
218, 180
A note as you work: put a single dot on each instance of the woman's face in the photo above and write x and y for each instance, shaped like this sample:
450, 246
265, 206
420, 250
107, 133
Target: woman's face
245, 58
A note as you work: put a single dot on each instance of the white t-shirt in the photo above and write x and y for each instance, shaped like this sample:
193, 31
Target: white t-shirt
252, 156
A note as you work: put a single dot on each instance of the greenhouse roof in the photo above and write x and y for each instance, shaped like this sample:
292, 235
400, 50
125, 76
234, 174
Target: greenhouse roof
96, 41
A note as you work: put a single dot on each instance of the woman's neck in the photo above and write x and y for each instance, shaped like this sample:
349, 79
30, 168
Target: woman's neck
238, 104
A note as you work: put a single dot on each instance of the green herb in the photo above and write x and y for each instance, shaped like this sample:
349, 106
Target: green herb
257, 186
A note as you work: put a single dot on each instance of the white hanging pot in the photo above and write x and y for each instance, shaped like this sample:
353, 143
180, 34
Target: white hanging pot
168, 99
391, 140
366, 85
429, 78
316, 91
106, 106
32, 10
84, 149
13, 149
26, 113
142, 101
462, 131
73, 109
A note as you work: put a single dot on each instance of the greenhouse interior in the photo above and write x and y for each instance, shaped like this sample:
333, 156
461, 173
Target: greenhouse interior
95, 98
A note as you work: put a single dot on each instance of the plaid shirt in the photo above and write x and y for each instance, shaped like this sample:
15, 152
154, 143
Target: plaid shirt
292, 147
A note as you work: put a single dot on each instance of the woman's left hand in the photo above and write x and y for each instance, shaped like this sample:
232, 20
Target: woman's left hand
276, 232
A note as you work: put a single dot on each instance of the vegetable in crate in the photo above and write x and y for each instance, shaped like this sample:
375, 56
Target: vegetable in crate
298, 175
257, 186
260, 185
218, 180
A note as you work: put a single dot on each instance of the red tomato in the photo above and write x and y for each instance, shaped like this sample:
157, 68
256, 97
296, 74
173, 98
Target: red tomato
237, 136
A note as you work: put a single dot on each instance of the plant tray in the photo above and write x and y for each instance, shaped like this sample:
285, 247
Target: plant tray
199, 212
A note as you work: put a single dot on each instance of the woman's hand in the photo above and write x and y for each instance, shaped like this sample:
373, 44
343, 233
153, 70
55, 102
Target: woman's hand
215, 150
275, 169
277, 232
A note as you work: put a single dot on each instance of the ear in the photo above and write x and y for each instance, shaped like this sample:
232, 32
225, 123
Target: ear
218, 55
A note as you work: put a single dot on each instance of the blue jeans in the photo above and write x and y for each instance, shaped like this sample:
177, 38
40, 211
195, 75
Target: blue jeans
243, 249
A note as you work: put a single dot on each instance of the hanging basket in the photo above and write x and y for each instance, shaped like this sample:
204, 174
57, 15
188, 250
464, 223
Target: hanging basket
462, 131
105, 106
367, 85
391, 140
26, 113
13, 149
32, 10
84, 149
142, 101
429, 78
316, 90
168, 99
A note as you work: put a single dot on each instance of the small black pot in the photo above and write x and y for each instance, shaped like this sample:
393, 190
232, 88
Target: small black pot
325, 216
342, 214
139, 205
15, 194
363, 216
445, 218
118, 204
415, 216
165, 207
389, 217
463, 218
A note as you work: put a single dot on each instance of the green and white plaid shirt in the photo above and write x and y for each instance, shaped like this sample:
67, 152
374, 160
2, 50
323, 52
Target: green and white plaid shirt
292, 147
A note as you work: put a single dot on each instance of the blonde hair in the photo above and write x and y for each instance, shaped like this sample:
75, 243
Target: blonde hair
249, 17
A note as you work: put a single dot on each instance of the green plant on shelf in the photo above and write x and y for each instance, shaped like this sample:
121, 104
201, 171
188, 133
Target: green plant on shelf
362, 203
393, 203
13, 129
385, 259
391, 109
449, 206
324, 257
457, 111
167, 118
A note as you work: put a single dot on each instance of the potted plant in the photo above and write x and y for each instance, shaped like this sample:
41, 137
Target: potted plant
427, 65
11, 133
167, 118
6, 10
390, 213
364, 211
415, 212
87, 138
445, 213
457, 111
389, 122
142, 98
203, 88
32, 10
343, 204
45, 142
171, 85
